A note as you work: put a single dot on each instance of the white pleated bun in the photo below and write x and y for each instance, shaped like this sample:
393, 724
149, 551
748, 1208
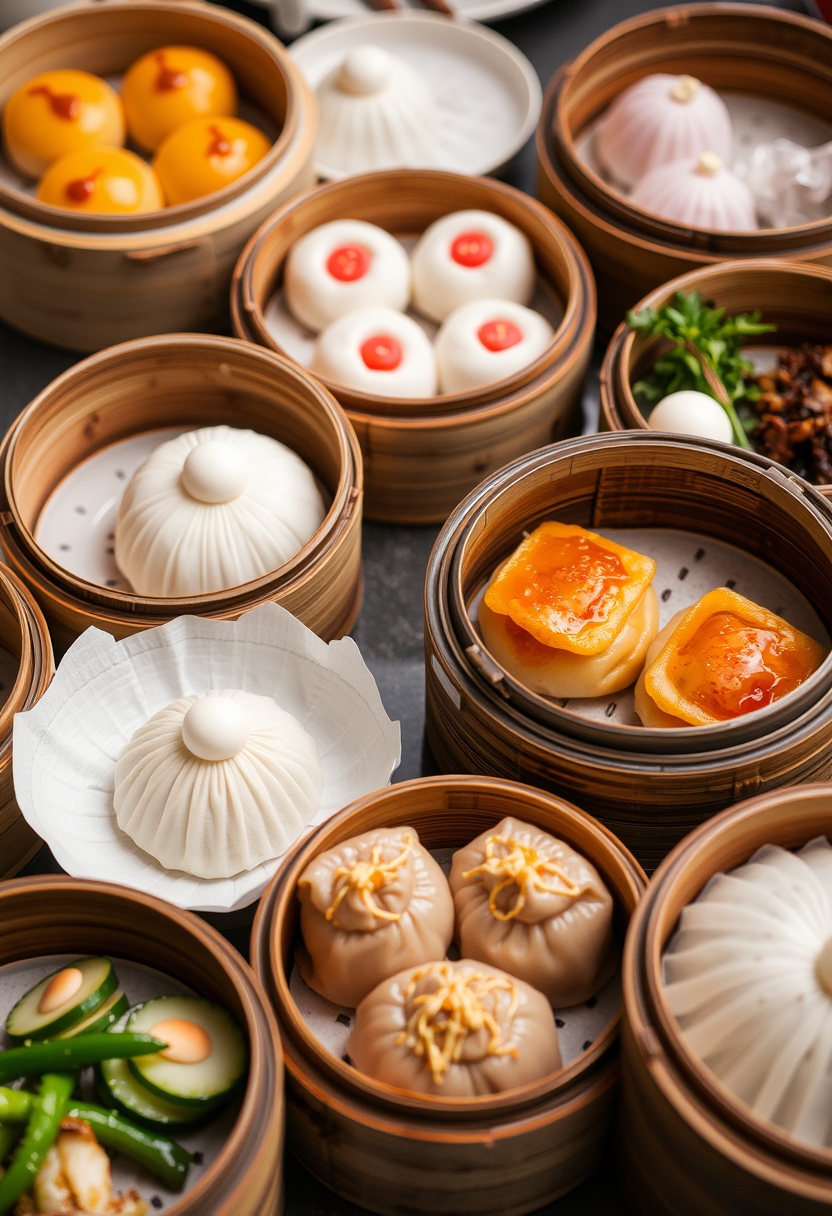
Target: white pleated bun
212, 509
467, 345
699, 192
373, 266
215, 817
343, 348
504, 267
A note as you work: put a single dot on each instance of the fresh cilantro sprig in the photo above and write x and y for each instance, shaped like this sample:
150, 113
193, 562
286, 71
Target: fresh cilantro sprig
705, 354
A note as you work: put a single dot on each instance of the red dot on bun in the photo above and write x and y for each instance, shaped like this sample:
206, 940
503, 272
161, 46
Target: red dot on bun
472, 249
499, 334
348, 263
381, 353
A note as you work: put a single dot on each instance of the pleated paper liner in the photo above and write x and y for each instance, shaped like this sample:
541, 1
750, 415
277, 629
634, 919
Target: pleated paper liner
714, 516
686, 1145
396, 1152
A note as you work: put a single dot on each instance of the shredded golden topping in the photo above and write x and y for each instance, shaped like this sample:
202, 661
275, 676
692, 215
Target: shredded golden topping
366, 877
442, 1019
520, 867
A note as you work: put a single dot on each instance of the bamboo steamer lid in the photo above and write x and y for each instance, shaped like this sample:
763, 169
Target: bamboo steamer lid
395, 1152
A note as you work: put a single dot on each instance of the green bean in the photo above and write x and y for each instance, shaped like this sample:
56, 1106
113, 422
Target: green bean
15, 1106
48, 1109
161, 1156
35, 1059
9, 1137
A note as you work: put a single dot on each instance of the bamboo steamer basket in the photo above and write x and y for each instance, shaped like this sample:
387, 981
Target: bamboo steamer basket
402, 1154
797, 299
744, 48
183, 381
686, 1146
422, 455
50, 915
24, 635
650, 787
85, 282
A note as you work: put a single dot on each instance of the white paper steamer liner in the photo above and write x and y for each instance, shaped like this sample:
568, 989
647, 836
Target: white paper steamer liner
65, 749
140, 984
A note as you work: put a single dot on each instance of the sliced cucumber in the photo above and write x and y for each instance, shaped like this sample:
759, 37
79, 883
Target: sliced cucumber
105, 1016
207, 1080
98, 982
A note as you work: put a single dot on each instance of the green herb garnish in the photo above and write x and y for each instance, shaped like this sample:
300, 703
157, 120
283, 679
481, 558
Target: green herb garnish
705, 354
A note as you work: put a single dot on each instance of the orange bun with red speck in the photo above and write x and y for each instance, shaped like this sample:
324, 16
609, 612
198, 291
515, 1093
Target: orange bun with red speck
172, 86
102, 181
60, 112
206, 155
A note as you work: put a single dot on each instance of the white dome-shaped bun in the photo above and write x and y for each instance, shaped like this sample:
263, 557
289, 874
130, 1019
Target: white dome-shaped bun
471, 255
699, 192
689, 412
486, 341
377, 350
218, 818
375, 112
341, 266
660, 119
169, 543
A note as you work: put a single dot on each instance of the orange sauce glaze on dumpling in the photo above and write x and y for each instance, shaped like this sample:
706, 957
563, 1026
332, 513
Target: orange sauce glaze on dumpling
102, 181
60, 112
569, 588
206, 155
172, 86
728, 657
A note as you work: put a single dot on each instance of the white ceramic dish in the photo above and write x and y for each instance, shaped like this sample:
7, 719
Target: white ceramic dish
487, 92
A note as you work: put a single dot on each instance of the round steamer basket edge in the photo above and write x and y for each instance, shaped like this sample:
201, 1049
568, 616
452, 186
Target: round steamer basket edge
180, 382
422, 455
650, 787
750, 49
395, 1152
684, 1144
50, 914
87, 282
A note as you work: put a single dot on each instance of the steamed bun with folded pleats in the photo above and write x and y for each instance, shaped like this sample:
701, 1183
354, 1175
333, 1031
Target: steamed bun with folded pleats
214, 785
213, 509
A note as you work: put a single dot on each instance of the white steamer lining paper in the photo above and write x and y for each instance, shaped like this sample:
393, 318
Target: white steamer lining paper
140, 984
687, 566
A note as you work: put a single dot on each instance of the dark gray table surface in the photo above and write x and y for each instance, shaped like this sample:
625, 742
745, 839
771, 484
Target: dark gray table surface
389, 629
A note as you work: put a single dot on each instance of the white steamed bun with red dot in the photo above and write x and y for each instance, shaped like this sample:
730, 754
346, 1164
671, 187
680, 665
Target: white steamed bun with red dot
486, 341
341, 266
471, 255
377, 350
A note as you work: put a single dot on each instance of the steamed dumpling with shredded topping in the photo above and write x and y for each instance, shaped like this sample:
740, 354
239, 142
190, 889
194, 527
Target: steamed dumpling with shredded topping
212, 509
455, 1030
748, 975
370, 907
530, 904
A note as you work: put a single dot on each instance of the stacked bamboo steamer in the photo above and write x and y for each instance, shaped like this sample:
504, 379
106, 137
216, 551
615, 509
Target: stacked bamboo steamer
50, 915
401, 1154
89, 281
27, 652
175, 383
743, 48
648, 786
422, 455
686, 1145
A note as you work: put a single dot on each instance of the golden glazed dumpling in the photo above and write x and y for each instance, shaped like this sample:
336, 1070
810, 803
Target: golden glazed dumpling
102, 181
60, 112
207, 155
172, 86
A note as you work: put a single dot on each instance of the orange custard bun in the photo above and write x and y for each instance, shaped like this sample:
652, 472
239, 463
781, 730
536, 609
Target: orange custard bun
60, 112
721, 659
102, 181
571, 613
172, 86
206, 155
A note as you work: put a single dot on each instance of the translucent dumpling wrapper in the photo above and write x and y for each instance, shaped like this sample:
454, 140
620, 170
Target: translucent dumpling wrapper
700, 192
748, 975
212, 509
455, 1030
215, 785
371, 907
530, 904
